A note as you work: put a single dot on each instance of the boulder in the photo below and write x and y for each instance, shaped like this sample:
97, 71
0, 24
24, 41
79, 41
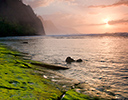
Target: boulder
69, 60
79, 60
25, 42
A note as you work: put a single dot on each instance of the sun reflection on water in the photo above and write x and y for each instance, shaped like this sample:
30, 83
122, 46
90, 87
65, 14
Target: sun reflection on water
104, 58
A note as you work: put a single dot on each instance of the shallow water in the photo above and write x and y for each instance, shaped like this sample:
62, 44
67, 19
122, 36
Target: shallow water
105, 59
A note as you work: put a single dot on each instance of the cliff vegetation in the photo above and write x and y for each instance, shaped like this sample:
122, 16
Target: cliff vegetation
18, 19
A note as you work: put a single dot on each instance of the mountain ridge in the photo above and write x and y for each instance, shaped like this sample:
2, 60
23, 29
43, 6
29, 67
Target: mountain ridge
16, 12
51, 29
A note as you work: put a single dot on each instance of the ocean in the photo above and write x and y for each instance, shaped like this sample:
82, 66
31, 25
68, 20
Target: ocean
105, 58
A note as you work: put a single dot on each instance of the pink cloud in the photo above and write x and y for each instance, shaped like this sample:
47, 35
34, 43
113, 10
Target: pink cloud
126, 14
93, 13
121, 21
119, 3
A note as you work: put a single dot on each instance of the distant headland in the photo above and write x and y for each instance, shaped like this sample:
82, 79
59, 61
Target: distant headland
18, 19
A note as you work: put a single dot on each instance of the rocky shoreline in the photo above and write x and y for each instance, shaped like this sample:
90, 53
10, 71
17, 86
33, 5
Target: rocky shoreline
67, 84
41, 71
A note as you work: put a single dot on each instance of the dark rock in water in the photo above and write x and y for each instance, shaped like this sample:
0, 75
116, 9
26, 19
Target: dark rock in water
79, 60
25, 42
69, 60
110, 93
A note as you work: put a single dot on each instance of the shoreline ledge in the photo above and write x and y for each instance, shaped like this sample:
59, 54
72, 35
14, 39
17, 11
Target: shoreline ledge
49, 66
27, 79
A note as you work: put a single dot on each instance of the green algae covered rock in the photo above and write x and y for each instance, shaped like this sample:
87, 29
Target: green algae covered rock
18, 81
23, 80
73, 95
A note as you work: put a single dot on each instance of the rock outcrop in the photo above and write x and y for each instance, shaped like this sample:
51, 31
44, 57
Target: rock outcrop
15, 12
69, 60
79, 60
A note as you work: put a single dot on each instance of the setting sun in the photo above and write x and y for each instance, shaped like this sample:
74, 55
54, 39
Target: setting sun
106, 21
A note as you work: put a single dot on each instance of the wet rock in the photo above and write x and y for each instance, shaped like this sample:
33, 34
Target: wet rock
50, 66
31, 83
4, 87
13, 82
25, 42
62, 96
110, 93
100, 89
64, 86
77, 90
72, 87
79, 60
24, 83
69, 60
45, 76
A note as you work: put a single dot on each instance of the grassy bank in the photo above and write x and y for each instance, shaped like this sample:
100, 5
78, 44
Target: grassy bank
19, 80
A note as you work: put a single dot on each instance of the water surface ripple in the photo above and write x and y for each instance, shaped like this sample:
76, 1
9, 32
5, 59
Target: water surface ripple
105, 59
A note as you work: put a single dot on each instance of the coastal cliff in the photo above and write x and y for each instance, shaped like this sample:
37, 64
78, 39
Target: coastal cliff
17, 19
51, 29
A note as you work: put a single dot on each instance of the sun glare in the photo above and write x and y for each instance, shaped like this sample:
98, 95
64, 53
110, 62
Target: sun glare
106, 21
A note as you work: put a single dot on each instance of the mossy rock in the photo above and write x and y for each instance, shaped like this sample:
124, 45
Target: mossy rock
73, 95
19, 81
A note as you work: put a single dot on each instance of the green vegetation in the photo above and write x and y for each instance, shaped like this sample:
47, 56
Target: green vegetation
15, 29
72, 95
19, 80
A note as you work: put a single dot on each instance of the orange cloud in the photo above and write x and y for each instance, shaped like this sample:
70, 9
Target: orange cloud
93, 13
119, 3
121, 21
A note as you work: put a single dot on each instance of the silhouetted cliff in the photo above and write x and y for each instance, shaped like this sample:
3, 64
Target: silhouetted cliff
17, 18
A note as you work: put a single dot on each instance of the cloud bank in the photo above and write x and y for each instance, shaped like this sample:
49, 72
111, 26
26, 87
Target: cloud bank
119, 3
121, 21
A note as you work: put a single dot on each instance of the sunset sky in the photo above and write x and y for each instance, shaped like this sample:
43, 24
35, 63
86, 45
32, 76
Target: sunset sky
86, 16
